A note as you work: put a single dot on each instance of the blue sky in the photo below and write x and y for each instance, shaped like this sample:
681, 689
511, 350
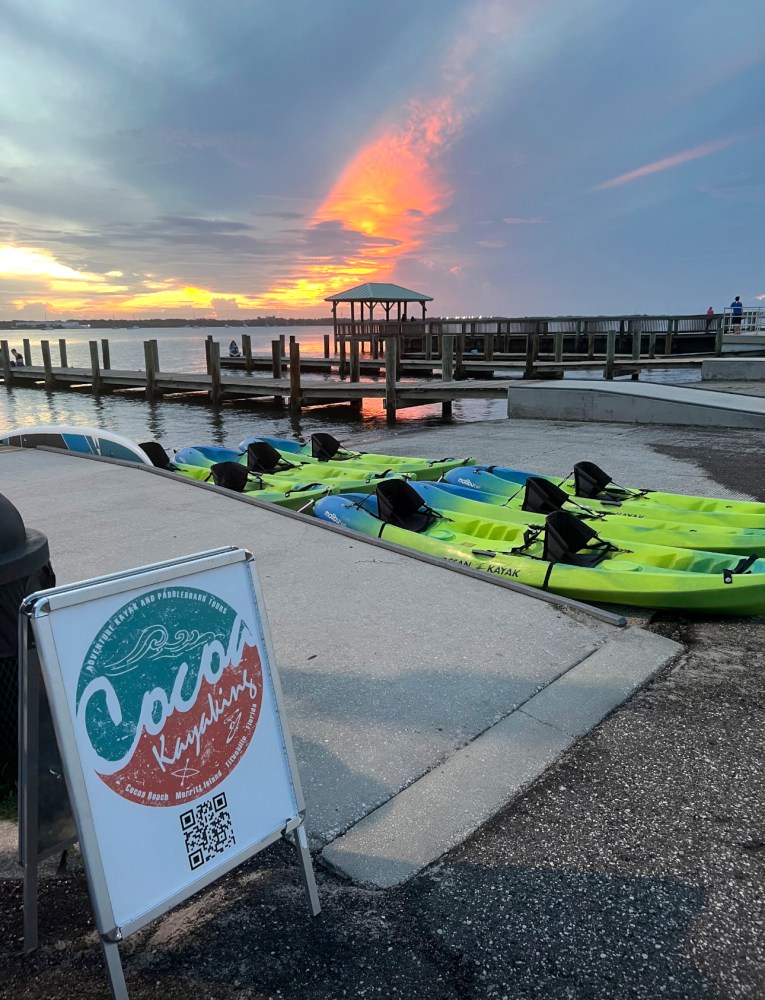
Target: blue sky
507, 157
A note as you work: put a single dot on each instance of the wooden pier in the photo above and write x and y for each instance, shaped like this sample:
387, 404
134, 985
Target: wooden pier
448, 366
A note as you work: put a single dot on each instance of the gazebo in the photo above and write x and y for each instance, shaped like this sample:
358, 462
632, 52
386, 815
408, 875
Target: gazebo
374, 293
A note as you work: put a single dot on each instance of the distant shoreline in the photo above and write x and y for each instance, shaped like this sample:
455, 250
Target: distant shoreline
138, 324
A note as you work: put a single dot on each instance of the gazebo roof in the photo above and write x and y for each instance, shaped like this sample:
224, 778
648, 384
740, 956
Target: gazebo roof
375, 291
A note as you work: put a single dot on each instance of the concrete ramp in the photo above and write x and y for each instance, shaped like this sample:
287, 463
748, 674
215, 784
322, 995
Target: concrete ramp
421, 700
633, 402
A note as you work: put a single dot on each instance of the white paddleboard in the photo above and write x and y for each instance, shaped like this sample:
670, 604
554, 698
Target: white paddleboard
85, 440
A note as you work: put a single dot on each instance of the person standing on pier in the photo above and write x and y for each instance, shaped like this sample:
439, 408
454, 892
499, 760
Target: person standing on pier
18, 359
737, 311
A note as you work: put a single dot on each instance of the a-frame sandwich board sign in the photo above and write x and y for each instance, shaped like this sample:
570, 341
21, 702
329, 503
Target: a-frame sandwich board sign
170, 723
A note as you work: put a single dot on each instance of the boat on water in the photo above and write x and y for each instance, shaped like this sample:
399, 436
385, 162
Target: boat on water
594, 489
563, 555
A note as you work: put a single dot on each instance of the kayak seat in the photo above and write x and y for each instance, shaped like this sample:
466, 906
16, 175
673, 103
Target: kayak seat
230, 475
324, 446
157, 454
542, 497
263, 457
590, 480
401, 505
567, 540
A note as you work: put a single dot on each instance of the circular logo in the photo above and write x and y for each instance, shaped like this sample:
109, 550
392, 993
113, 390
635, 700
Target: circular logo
169, 696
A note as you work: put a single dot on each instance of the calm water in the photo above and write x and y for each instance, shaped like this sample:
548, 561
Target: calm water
176, 424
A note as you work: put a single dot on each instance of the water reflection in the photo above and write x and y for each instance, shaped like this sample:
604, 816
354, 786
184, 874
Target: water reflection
154, 420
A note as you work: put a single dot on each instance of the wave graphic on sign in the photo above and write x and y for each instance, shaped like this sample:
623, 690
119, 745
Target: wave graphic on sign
154, 643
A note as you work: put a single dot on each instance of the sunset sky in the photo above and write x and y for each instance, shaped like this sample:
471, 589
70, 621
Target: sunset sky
506, 157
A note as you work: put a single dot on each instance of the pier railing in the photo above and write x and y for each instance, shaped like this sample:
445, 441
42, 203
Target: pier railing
749, 321
534, 338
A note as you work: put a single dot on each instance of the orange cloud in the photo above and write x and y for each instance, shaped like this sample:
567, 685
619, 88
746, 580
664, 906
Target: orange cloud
389, 191
695, 153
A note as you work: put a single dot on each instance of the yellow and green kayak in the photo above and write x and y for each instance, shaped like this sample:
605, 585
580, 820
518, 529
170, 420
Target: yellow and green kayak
539, 497
593, 489
563, 555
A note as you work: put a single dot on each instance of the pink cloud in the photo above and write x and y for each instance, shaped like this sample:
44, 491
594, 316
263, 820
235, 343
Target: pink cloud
695, 153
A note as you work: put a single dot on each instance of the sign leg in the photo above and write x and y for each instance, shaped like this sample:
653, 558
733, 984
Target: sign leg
113, 964
306, 866
29, 730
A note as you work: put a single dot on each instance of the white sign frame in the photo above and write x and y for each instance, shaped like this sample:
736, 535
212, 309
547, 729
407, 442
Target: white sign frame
59, 619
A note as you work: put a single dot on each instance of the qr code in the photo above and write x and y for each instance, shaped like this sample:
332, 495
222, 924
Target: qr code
207, 830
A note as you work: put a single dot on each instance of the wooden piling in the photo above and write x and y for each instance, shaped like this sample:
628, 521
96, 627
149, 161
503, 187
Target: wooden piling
558, 342
276, 359
155, 346
105, 354
281, 342
488, 346
47, 364
5, 360
610, 354
296, 393
151, 375
528, 371
343, 367
247, 351
447, 369
635, 329
26, 349
459, 357
208, 354
326, 345
652, 344
391, 363
216, 393
62, 352
355, 361
95, 367
718, 336
671, 325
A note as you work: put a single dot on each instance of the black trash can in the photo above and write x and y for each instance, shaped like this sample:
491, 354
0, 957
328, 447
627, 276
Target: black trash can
24, 568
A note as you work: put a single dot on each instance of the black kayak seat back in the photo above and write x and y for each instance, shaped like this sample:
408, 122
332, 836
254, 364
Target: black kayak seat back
542, 497
324, 446
567, 540
589, 480
156, 453
401, 505
263, 457
231, 475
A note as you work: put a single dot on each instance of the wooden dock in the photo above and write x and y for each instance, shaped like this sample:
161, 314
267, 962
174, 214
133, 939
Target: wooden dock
296, 381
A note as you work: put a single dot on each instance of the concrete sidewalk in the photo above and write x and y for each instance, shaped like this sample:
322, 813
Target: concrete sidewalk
409, 688
634, 402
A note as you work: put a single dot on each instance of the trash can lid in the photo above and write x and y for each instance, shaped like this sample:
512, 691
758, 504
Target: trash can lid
22, 551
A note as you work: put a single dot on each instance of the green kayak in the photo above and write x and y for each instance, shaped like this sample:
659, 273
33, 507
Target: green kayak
564, 555
593, 488
539, 497
326, 450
